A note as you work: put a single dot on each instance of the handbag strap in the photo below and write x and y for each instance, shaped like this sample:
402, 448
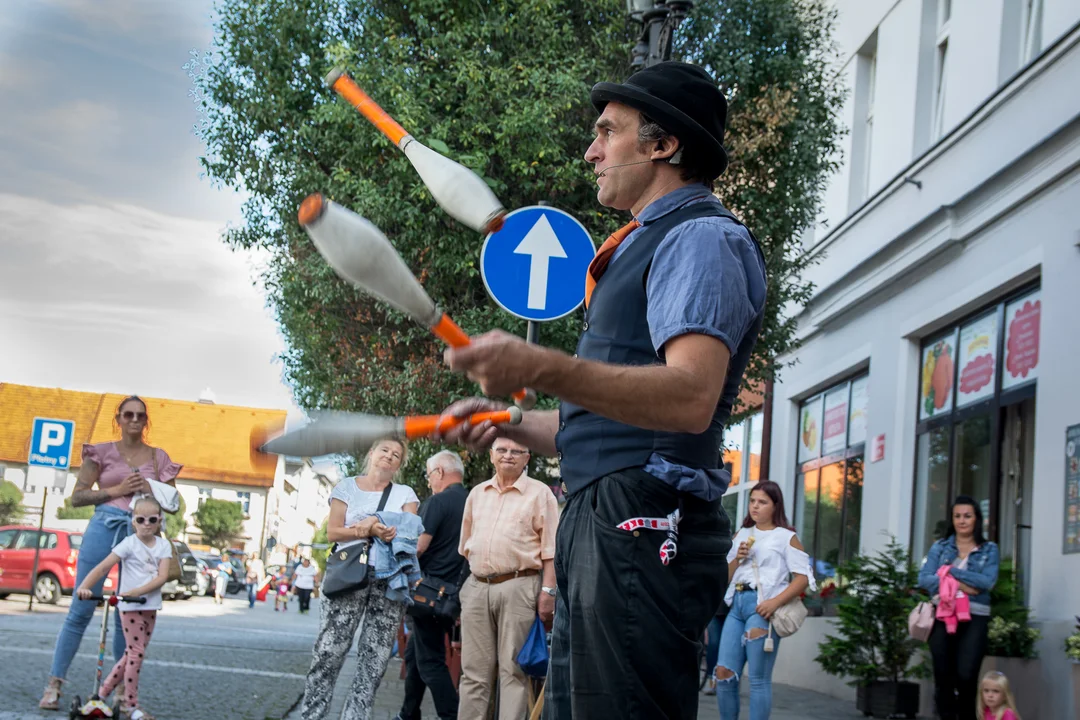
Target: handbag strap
385, 497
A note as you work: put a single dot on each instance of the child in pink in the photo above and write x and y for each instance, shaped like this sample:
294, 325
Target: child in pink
282, 583
144, 559
995, 698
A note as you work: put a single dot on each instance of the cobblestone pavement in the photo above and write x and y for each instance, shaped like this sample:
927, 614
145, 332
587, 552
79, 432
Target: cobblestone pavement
207, 660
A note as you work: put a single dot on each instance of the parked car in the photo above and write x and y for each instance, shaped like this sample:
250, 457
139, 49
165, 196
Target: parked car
56, 562
236, 580
188, 584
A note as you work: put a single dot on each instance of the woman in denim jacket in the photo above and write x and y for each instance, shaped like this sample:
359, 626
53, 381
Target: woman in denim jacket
973, 562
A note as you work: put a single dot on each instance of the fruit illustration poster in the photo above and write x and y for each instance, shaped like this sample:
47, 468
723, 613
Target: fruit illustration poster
938, 372
1021, 341
978, 360
810, 430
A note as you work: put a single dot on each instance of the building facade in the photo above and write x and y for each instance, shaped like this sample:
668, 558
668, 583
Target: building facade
939, 349
282, 502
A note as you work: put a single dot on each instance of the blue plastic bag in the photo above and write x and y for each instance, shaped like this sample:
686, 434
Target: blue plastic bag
533, 658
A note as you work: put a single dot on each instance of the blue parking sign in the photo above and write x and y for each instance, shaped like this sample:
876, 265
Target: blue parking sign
50, 443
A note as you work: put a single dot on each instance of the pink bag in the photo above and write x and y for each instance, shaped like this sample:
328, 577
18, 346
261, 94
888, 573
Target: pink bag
921, 621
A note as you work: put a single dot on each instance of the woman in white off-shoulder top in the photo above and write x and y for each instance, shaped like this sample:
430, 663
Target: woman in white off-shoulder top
784, 570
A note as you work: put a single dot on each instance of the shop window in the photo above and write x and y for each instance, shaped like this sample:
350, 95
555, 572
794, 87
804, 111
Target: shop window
976, 424
742, 458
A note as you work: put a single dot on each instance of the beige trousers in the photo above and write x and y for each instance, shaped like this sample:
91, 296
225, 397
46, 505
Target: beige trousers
495, 622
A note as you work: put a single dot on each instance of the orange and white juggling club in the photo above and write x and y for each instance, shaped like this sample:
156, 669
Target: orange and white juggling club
360, 253
458, 190
344, 432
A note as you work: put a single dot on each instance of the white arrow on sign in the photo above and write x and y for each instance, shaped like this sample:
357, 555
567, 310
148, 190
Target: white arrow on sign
542, 244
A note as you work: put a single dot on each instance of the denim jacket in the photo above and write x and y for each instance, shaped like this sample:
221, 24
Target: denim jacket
981, 572
396, 561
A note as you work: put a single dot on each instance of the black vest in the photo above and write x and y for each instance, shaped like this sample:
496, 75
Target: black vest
616, 331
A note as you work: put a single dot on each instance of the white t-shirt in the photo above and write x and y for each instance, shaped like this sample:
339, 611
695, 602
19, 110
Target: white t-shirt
305, 576
361, 503
776, 560
138, 566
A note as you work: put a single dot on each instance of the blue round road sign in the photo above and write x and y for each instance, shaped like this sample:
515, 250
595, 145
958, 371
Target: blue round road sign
534, 267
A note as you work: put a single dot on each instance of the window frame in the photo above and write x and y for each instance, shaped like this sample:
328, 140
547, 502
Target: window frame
743, 488
993, 406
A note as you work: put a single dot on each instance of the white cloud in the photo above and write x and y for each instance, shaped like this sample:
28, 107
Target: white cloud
119, 298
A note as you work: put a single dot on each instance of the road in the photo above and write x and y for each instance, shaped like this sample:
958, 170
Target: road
207, 660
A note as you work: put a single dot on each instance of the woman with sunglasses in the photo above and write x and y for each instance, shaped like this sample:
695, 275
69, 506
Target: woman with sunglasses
144, 563
119, 471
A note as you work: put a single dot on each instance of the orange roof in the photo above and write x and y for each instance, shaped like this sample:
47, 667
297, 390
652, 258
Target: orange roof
211, 441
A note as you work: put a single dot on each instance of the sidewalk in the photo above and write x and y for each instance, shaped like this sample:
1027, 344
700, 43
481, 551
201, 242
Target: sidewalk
789, 703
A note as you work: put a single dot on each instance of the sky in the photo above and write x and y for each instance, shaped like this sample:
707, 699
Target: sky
113, 276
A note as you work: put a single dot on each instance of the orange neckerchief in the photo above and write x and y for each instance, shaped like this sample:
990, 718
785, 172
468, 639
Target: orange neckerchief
599, 264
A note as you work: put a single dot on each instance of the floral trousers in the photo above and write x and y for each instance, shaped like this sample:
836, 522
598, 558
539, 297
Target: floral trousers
378, 619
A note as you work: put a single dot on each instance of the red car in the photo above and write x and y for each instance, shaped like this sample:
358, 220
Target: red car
56, 562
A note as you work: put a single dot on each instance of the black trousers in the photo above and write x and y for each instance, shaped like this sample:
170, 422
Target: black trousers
957, 659
305, 598
425, 663
627, 628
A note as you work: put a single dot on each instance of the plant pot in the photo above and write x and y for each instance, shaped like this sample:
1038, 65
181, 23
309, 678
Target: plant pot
888, 699
1025, 679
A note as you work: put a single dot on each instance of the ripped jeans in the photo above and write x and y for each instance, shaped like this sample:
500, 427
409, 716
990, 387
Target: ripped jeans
736, 650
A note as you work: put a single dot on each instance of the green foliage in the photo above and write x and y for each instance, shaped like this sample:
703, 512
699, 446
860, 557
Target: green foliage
319, 556
11, 507
176, 524
872, 642
69, 512
1072, 643
219, 521
1011, 634
501, 87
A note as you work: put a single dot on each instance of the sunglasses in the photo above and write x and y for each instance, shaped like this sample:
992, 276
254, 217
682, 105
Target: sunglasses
152, 520
132, 415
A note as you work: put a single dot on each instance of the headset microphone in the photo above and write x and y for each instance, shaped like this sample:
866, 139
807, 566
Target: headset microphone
606, 170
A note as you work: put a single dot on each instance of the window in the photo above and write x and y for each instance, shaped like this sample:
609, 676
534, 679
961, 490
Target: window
862, 132
1031, 23
204, 495
27, 539
941, 69
976, 425
6, 536
742, 458
245, 501
828, 487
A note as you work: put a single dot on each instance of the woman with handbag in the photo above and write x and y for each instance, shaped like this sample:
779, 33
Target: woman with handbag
764, 603
121, 471
967, 563
351, 594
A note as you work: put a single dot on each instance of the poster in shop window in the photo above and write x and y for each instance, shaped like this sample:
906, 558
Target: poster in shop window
1072, 489
938, 372
834, 429
978, 360
810, 430
1021, 341
860, 401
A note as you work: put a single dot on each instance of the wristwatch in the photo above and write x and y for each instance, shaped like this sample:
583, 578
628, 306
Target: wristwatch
549, 590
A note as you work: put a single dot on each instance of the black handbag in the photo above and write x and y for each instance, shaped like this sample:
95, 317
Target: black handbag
437, 598
348, 569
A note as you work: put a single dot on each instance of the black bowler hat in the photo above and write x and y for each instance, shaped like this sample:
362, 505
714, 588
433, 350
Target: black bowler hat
683, 99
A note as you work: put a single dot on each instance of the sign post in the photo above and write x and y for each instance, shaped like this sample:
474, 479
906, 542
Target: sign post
50, 447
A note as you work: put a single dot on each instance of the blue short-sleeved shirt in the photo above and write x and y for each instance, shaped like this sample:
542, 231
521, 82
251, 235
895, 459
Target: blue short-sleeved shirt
706, 277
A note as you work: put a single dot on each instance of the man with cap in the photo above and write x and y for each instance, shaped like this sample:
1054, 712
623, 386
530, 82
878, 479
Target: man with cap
674, 304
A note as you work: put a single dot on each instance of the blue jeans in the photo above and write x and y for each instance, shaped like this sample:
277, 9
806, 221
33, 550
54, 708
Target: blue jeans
736, 650
251, 594
107, 528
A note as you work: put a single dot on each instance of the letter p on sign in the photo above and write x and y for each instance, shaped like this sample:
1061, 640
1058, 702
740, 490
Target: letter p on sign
52, 435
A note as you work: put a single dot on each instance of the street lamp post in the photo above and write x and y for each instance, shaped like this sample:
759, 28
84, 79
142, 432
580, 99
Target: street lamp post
658, 19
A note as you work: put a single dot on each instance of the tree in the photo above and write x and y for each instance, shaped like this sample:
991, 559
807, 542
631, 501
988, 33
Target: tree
320, 538
219, 521
176, 524
11, 507
69, 512
502, 87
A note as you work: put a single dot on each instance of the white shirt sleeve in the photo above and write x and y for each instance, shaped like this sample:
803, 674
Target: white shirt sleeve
739, 538
798, 562
410, 496
163, 549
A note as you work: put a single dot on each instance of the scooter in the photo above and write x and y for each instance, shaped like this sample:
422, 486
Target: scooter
96, 707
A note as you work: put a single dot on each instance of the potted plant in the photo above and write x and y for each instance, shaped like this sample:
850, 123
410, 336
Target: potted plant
1011, 640
872, 646
1072, 651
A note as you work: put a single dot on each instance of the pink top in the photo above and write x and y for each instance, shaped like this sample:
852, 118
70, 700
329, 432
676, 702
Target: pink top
113, 469
988, 714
